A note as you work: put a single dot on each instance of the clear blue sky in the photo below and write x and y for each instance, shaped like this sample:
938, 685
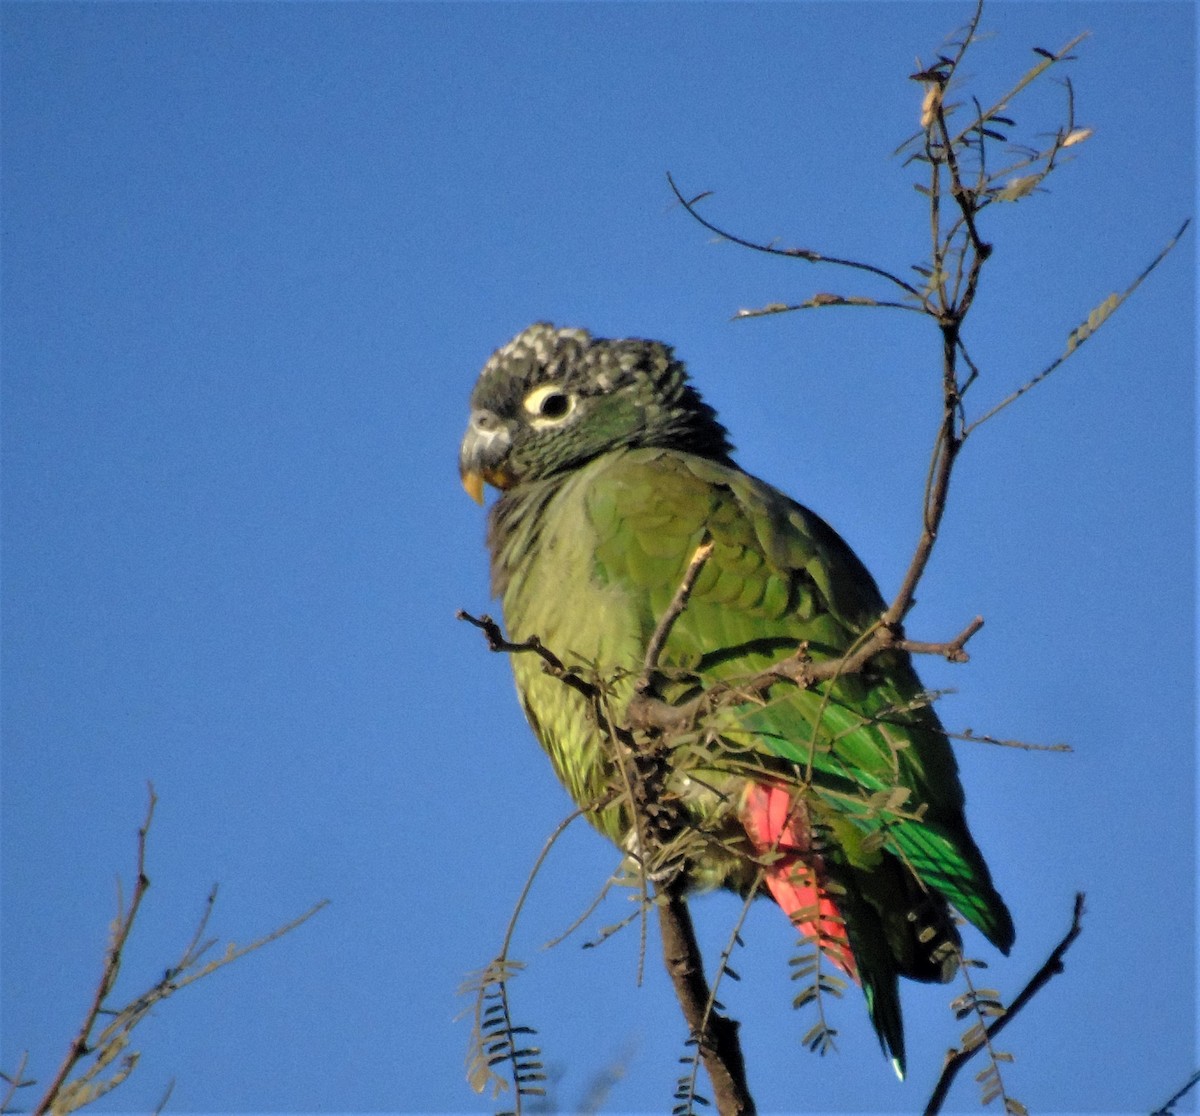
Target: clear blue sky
253, 258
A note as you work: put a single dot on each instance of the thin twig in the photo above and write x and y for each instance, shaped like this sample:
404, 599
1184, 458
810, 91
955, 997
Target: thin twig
821, 301
1179, 1094
627, 761
1078, 339
953, 650
1032, 75
16, 1080
983, 738
65, 1093
662, 630
552, 664
162, 1101
497, 973
956, 1059
587, 913
547, 845
793, 253
648, 713
80, 1046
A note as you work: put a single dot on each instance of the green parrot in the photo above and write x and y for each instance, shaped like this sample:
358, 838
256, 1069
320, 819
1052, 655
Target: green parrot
841, 800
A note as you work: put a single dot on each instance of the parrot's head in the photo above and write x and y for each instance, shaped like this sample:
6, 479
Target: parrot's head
553, 399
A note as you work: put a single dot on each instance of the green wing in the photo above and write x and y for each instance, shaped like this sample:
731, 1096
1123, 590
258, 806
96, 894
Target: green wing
591, 560
777, 576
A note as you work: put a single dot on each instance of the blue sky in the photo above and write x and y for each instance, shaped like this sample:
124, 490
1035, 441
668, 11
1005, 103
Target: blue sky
253, 258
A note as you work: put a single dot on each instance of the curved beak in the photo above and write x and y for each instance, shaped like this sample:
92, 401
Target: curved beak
483, 456
473, 483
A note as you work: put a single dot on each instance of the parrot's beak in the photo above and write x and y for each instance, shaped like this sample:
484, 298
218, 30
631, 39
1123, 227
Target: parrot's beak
483, 456
473, 483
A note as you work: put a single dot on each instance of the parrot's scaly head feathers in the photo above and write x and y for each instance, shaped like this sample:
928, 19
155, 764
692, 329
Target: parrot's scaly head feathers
553, 399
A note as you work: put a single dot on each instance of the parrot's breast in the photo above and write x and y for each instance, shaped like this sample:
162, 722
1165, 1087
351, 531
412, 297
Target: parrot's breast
544, 547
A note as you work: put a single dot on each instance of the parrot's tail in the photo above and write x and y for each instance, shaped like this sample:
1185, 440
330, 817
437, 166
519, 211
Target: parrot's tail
777, 825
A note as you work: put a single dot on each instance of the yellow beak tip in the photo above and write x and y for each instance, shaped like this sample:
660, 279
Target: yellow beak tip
473, 483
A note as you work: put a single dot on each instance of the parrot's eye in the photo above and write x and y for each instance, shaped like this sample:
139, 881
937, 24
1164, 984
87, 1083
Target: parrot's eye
549, 405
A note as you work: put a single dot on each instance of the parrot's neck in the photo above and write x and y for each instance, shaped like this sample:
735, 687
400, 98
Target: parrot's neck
514, 525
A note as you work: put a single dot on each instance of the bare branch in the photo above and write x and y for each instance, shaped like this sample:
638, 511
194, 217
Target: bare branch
956, 1059
66, 1093
794, 253
494, 1035
580, 919
820, 301
1048, 59
649, 713
553, 665
1082, 332
653, 742
80, 1046
951, 650
982, 738
547, 845
16, 1080
717, 1035
1179, 1094
666, 622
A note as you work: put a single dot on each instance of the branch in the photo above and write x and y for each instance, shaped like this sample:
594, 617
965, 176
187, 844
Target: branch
956, 1059
552, 664
818, 301
1032, 75
984, 738
67, 1094
951, 650
112, 965
793, 253
494, 1036
1082, 332
666, 622
1188, 1085
716, 1035
647, 713
16, 1080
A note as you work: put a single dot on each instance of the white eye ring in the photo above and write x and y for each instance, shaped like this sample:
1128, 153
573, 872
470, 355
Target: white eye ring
549, 405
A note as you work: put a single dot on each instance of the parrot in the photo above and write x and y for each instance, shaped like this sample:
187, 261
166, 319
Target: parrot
840, 800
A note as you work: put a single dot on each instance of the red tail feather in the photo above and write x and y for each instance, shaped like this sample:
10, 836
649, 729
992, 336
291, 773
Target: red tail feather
777, 824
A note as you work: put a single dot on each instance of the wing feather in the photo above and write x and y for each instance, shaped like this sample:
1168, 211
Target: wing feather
779, 575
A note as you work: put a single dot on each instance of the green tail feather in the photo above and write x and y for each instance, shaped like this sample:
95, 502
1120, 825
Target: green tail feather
882, 992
